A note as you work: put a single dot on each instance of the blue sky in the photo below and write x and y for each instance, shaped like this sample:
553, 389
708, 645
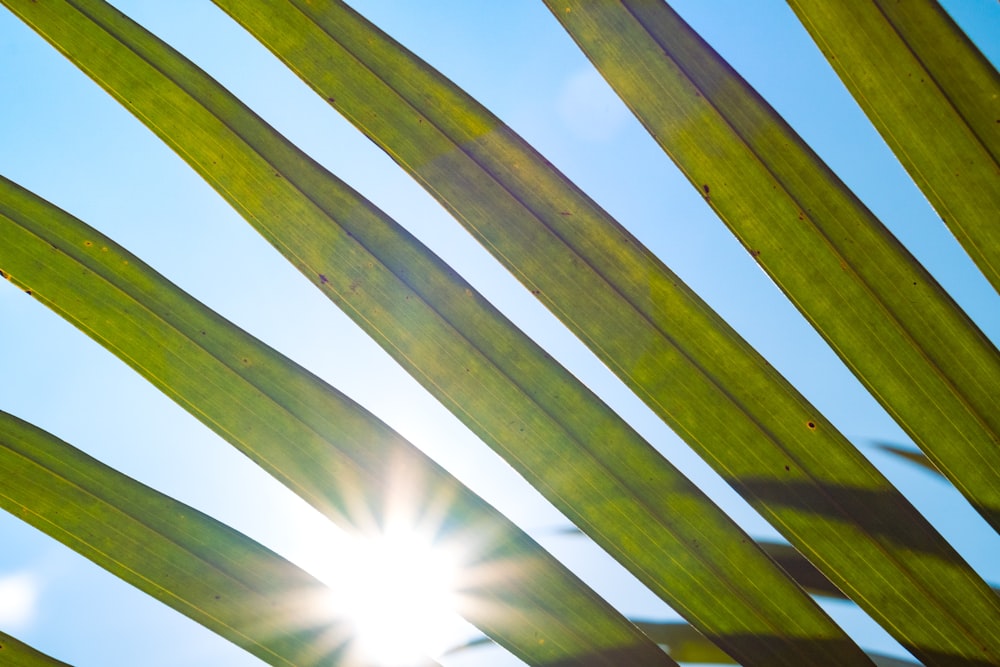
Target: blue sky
66, 140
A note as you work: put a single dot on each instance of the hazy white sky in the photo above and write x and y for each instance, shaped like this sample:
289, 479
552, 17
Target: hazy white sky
66, 140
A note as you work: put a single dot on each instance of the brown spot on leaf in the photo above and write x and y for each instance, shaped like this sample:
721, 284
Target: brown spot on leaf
565, 213
811, 426
322, 279
755, 253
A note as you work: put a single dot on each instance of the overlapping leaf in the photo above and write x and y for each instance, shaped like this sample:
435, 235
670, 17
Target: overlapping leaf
689, 646
320, 444
573, 448
678, 355
880, 310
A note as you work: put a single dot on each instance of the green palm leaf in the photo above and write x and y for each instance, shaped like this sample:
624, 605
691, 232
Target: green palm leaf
894, 326
200, 567
926, 362
690, 367
511, 393
327, 449
16, 653
932, 95
687, 645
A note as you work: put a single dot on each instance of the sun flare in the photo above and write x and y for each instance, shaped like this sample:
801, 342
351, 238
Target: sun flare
397, 589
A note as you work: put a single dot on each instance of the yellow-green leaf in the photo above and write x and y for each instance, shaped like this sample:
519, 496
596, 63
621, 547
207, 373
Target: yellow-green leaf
933, 96
880, 310
187, 560
16, 653
586, 460
319, 443
677, 354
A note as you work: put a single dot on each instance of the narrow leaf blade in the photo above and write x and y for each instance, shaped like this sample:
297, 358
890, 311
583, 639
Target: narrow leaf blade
509, 391
932, 96
323, 446
15, 653
689, 366
187, 560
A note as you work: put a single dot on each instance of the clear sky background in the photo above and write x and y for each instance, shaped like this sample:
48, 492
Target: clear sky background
68, 141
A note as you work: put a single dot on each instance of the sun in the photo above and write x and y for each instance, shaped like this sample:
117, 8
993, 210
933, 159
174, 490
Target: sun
398, 589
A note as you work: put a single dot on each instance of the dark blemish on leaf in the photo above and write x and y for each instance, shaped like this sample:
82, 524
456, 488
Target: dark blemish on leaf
755, 253
706, 189
218, 597
811, 425
802, 216
331, 100
203, 333
4, 275
245, 360
28, 292
787, 469
88, 243
277, 174
565, 213
322, 279
536, 291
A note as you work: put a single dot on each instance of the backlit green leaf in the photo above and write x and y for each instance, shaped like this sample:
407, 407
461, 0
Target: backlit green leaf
933, 97
678, 355
187, 560
16, 653
586, 460
330, 451
880, 310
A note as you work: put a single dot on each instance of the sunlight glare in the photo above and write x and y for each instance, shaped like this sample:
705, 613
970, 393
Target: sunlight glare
398, 589
18, 599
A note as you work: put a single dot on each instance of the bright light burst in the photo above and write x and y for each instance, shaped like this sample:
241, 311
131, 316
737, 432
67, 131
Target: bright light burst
18, 597
398, 590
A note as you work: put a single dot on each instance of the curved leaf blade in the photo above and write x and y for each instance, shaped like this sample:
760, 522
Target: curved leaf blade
319, 443
506, 389
678, 355
932, 96
183, 558
899, 332
685, 644
15, 653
